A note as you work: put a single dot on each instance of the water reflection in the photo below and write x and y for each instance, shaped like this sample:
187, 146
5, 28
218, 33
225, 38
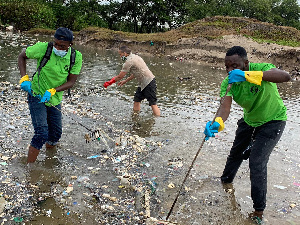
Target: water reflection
142, 125
99, 65
43, 173
11, 44
51, 161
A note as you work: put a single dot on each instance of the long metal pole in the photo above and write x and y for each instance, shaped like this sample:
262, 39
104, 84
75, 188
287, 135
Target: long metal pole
200, 148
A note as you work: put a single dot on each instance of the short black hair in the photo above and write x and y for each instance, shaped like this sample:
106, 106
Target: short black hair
125, 49
237, 50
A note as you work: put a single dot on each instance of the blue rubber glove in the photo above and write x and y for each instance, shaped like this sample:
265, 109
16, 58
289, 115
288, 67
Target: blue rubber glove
26, 86
236, 76
210, 130
46, 97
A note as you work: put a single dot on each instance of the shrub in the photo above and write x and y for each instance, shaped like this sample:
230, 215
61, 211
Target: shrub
26, 14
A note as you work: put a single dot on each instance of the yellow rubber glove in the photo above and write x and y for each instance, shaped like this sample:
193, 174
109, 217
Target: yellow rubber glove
48, 94
212, 128
220, 121
25, 84
237, 75
254, 77
52, 91
24, 78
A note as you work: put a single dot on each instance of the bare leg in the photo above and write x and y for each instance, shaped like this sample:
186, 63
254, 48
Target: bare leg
136, 106
156, 110
32, 154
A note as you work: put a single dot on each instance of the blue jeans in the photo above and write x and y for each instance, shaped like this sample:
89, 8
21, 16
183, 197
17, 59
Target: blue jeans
46, 122
259, 143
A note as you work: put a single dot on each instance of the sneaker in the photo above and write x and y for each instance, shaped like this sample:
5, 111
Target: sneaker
257, 217
257, 220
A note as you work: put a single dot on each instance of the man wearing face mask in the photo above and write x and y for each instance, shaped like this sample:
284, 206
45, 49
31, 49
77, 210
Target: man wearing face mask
138, 69
46, 88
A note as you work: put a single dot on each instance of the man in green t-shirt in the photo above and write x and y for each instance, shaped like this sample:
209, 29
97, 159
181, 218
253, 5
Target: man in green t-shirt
253, 87
46, 88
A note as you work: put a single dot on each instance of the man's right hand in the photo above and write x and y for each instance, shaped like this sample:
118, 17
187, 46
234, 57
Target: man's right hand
212, 128
254, 77
26, 84
108, 83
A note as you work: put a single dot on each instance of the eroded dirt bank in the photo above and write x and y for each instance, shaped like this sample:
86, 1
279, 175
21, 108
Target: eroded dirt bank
205, 43
211, 52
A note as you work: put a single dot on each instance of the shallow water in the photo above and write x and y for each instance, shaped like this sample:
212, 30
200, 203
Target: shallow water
186, 105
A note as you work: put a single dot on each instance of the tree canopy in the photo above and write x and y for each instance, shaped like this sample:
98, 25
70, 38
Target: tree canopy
140, 16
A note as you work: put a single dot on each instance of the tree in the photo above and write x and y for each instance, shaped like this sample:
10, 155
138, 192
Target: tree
110, 13
287, 13
200, 9
26, 14
151, 16
141, 16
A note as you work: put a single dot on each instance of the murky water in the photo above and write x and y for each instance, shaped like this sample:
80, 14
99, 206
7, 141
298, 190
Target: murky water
188, 98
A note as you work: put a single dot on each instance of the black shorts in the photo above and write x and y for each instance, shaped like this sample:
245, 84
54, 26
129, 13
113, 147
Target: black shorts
149, 92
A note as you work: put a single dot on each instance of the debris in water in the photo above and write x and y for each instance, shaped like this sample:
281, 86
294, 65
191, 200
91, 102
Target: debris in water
280, 187
171, 185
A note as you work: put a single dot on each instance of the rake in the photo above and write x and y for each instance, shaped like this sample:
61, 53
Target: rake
93, 135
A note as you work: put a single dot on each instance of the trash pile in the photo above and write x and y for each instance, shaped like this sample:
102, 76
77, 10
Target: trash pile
121, 198
15, 192
105, 183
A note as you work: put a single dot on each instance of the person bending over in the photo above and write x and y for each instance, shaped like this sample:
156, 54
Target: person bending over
138, 69
254, 89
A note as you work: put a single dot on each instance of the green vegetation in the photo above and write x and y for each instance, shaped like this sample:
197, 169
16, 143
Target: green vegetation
159, 20
141, 16
25, 15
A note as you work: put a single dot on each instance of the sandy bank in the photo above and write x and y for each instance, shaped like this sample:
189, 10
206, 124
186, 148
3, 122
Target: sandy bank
208, 51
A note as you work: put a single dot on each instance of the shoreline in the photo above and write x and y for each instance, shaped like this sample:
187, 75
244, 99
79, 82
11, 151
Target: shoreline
205, 51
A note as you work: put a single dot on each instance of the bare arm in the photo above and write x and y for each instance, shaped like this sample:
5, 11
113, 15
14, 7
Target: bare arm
120, 76
22, 66
22, 63
70, 82
125, 81
276, 76
225, 108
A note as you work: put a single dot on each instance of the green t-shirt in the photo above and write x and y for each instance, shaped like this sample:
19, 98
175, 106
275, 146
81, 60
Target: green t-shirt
54, 73
261, 104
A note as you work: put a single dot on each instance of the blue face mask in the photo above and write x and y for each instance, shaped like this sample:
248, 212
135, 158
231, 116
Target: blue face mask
123, 58
60, 53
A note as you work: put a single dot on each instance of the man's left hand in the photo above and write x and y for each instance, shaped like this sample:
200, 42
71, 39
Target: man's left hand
121, 83
47, 95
